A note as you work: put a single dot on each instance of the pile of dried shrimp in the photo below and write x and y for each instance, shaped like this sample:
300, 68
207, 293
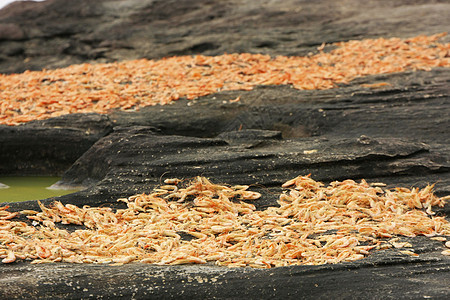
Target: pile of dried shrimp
133, 84
184, 222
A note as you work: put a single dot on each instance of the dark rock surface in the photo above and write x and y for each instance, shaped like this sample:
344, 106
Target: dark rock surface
49, 146
56, 33
398, 278
397, 134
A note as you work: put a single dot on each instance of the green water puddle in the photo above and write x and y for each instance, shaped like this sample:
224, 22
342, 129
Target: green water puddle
29, 188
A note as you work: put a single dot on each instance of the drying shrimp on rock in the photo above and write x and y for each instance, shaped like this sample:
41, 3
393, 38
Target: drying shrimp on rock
312, 224
36, 95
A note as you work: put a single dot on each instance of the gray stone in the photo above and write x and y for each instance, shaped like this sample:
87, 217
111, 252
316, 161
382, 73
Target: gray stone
397, 134
10, 31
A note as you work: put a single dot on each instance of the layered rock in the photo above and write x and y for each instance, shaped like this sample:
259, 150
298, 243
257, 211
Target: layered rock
57, 33
395, 133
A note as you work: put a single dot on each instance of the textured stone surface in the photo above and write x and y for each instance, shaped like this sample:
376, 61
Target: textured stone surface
50, 146
397, 134
57, 33
398, 278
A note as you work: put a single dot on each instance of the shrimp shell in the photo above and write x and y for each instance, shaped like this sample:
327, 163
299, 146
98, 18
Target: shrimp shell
11, 257
313, 224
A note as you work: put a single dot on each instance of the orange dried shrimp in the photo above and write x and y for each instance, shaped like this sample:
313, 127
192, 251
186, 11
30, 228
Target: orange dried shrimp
133, 84
312, 225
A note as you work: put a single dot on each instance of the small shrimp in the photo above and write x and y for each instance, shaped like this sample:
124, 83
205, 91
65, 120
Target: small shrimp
43, 252
11, 257
290, 182
172, 181
240, 187
123, 260
169, 188
248, 195
4, 207
410, 253
9, 216
440, 239
62, 208
188, 260
28, 212
375, 85
235, 100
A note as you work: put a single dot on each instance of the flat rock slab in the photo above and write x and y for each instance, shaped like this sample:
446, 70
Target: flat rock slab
397, 134
57, 33
401, 277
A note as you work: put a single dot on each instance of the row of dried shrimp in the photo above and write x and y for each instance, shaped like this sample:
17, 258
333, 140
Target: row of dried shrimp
312, 225
133, 84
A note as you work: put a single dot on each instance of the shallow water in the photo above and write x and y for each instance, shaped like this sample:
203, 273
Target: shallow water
29, 188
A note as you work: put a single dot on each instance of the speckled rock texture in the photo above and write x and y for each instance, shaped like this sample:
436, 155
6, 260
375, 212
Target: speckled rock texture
397, 134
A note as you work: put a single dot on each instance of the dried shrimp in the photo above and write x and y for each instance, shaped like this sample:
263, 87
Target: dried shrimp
37, 95
197, 221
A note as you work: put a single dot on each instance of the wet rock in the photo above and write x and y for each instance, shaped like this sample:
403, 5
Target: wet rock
49, 147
